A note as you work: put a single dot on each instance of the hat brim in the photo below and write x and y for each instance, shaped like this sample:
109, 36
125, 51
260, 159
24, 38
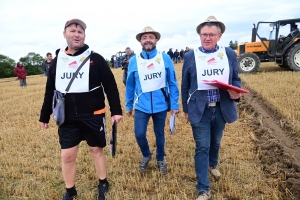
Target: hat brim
157, 34
203, 23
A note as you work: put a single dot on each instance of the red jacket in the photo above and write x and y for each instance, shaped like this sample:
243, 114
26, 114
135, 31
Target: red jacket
20, 72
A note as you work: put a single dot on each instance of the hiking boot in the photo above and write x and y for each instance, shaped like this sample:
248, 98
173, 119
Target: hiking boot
144, 163
215, 173
102, 190
162, 166
68, 197
204, 195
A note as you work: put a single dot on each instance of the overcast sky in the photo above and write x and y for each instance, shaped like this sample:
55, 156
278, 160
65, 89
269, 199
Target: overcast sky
37, 26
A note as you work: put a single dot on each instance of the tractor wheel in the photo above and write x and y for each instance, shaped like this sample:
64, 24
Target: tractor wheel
293, 57
248, 63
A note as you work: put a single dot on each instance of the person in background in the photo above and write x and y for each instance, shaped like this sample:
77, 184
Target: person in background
170, 53
181, 54
286, 40
21, 73
84, 105
175, 56
125, 62
186, 49
207, 108
112, 61
116, 62
46, 64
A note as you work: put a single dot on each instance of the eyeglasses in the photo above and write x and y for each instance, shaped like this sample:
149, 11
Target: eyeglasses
208, 35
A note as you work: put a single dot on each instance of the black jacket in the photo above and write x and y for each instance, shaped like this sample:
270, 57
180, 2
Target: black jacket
84, 104
170, 53
181, 53
176, 54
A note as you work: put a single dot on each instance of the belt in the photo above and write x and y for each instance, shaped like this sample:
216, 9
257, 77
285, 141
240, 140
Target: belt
213, 104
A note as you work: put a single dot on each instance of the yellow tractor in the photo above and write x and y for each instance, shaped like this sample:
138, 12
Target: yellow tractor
282, 49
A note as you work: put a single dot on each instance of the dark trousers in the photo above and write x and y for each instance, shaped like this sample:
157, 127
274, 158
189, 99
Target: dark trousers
124, 76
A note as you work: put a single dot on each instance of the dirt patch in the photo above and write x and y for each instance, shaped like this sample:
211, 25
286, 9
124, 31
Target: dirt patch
278, 150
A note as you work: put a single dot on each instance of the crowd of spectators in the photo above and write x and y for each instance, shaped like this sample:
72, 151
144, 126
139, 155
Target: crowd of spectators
177, 57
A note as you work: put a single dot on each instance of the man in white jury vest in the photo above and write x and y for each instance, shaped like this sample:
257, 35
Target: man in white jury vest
206, 107
152, 91
84, 104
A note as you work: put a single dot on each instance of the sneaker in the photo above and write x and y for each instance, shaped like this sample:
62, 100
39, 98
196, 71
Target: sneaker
162, 166
204, 195
215, 173
102, 190
68, 197
144, 163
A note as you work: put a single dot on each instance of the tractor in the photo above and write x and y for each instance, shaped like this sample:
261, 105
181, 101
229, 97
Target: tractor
282, 46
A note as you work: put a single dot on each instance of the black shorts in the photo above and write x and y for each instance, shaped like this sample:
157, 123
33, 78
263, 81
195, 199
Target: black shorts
73, 131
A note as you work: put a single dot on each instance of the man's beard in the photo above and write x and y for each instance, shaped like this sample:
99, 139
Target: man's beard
149, 49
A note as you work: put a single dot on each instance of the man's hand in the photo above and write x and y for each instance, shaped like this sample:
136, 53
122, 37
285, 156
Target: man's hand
233, 94
174, 112
186, 115
116, 118
129, 113
44, 125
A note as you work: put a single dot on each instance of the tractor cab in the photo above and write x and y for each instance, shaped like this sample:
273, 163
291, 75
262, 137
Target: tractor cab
277, 41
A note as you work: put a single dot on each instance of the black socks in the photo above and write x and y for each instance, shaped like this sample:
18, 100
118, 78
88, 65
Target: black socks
72, 191
102, 181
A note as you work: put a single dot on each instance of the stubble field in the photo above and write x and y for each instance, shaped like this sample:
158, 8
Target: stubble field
30, 166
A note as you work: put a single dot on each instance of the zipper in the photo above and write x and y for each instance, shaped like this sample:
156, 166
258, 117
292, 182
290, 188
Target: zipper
74, 104
151, 102
150, 92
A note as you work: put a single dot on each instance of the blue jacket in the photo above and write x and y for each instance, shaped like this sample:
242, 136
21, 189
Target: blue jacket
151, 102
197, 103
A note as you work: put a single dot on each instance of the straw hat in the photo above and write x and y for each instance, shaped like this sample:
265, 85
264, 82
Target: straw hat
148, 29
211, 19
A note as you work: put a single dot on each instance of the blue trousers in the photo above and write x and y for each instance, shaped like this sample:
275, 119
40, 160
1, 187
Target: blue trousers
141, 120
207, 135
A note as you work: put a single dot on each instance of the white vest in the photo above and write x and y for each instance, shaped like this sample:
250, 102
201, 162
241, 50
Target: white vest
65, 68
212, 66
152, 72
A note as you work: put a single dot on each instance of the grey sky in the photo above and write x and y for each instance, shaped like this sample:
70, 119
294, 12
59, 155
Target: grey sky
37, 26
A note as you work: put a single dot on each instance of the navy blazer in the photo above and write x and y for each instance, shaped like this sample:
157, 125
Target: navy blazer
197, 102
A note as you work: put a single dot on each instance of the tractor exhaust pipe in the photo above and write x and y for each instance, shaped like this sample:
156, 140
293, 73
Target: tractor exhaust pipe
254, 30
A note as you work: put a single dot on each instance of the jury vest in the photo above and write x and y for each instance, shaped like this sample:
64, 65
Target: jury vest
212, 66
65, 68
152, 72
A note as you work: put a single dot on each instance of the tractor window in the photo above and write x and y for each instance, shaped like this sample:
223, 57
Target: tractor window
284, 31
266, 32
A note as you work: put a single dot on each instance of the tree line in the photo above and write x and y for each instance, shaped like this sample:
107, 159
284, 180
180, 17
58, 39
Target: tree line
32, 63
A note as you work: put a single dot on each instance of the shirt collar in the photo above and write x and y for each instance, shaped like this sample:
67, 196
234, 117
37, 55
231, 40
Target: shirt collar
209, 51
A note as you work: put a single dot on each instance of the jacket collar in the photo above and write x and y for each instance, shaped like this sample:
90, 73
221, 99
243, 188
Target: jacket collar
80, 51
149, 55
